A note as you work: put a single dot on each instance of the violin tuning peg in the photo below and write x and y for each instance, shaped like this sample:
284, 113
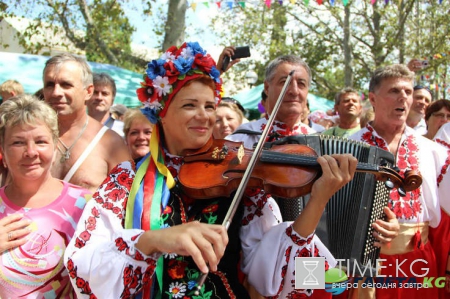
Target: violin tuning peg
401, 192
389, 184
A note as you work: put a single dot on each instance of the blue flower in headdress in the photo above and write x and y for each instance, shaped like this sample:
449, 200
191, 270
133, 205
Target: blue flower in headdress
150, 113
195, 48
215, 74
156, 68
183, 65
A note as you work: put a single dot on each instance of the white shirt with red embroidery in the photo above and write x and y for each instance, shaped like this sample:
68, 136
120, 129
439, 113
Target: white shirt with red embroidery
442, 137
258, 126
417, 153
103, 261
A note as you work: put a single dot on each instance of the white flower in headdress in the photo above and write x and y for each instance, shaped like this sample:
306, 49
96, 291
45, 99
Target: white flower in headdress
187, 53
153, 105
162, 85
168, 56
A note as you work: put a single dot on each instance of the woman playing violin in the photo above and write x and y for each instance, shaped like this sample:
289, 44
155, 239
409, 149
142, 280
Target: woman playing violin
142, 234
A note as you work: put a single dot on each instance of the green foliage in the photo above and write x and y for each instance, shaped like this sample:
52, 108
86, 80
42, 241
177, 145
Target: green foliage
115, 31
380, 34
98, 28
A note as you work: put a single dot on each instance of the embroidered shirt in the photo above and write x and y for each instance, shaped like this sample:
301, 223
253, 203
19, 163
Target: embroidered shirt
117, 269
417, 153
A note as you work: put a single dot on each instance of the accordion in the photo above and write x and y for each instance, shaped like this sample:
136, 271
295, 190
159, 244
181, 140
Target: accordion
345, 226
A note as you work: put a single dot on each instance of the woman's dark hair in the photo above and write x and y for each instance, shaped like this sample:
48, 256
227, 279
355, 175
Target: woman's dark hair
435, 107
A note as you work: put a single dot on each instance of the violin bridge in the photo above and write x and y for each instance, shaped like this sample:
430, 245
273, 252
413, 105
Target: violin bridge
241, 153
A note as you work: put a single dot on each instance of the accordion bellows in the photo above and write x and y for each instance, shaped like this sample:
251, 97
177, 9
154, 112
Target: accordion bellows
345, 227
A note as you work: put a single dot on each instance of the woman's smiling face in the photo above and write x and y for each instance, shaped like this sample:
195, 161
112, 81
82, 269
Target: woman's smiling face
190, 118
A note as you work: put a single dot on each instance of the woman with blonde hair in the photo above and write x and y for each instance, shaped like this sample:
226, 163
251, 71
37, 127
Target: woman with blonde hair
137, 130
38, 212
228, 118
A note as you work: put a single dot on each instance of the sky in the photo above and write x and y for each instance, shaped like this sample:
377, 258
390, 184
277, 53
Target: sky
197, 20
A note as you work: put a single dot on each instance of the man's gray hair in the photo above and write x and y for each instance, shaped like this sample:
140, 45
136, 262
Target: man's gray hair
387, 72
291, 59
58, 60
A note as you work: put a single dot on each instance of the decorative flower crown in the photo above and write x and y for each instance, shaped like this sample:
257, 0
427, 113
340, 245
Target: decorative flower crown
167, 75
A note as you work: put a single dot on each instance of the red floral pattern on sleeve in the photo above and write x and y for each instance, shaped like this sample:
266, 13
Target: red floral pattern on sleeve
444, 168
254, 201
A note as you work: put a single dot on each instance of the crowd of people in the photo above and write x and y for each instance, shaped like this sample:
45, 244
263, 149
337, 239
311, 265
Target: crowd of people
144, 235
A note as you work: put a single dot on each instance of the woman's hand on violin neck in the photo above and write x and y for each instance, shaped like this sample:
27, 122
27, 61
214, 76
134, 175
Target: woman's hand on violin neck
205, 243
337, 170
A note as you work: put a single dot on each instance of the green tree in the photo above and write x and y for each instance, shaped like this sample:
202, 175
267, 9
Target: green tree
342, 44
99, 28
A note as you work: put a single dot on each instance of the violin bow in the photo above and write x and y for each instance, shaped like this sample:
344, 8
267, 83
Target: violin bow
251, 165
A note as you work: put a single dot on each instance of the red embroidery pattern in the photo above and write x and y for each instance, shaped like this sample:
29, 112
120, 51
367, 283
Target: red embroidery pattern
297, 239
444, 169
132, 281
283, 130
409, 206
113, 193
287, 255
440, 141
254, 201
226, 284
81, 284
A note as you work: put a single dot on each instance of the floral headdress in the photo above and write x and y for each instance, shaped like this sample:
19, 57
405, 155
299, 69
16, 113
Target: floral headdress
167, 75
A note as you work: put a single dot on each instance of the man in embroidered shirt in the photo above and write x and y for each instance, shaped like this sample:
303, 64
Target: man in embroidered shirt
348, 107
289, 118
67, 87
288, 122
102, 99
391, 95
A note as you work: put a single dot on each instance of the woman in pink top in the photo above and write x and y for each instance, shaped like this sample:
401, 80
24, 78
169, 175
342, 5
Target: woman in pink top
38, 212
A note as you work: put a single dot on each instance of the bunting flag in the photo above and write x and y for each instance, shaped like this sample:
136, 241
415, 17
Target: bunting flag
230, 4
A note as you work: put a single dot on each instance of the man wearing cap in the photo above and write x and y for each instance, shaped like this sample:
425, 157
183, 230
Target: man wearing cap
102, 100
118, 111
416, 118
348, 106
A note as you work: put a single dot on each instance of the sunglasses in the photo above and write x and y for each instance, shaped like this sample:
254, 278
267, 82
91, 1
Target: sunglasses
235, 102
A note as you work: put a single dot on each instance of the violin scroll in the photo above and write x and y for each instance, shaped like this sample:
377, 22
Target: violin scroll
392, 179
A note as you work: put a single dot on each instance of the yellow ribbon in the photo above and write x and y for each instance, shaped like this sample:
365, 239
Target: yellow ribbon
154, 151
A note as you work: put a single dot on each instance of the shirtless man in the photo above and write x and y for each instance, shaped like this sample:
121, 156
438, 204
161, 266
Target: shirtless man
67, 87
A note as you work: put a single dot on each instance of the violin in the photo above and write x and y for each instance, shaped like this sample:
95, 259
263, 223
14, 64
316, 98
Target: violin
284, 170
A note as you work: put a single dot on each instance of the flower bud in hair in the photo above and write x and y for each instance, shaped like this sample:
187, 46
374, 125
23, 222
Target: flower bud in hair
165, 76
